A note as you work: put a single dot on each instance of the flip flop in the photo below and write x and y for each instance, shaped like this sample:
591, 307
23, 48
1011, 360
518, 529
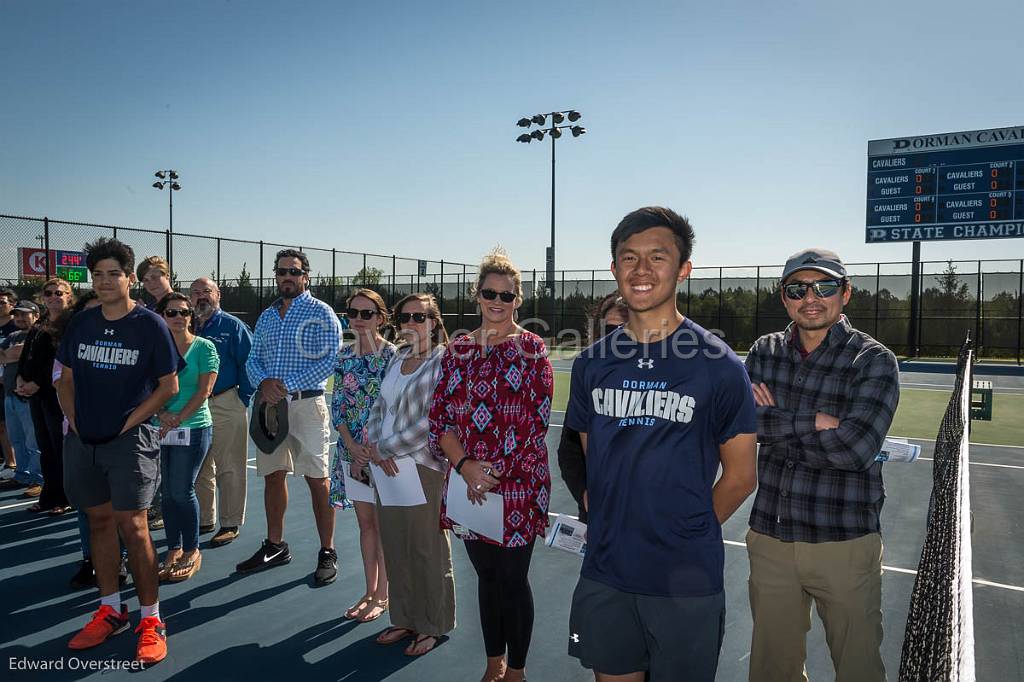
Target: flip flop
59, 511
386, 637
411, 649
184, 569
166, 567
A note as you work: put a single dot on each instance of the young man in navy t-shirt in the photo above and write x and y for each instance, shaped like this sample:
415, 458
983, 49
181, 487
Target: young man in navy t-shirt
660, 404
120, 368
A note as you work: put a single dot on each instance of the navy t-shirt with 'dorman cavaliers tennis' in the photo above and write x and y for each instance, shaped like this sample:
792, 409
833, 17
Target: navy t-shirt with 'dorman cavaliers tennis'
116, 365
655, 415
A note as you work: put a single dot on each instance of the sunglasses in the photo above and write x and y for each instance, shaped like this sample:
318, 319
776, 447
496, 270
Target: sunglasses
294, 272
491, 294
53, 292
175, 313
365, 313
824, 288
418, 318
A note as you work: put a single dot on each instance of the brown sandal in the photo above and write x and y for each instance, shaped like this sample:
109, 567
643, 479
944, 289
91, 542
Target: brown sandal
353, 612
411, 649
183, 568
393, 635
378, 605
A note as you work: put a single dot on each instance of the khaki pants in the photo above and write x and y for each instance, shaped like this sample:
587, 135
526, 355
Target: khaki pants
224, 466
844, 581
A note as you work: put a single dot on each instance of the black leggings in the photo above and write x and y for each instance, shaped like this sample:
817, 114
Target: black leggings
48, 421
506, 601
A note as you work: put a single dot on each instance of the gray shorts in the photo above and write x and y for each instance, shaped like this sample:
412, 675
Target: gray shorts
124, 472
674, 638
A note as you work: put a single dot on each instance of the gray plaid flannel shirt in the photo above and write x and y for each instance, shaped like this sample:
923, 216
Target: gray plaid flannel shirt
411, 409
822, 486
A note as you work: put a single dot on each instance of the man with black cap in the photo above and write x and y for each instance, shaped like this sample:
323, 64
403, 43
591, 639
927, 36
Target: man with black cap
826, 395
294, 350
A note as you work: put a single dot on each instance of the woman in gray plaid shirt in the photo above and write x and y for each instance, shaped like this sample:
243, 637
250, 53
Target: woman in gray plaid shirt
417, 553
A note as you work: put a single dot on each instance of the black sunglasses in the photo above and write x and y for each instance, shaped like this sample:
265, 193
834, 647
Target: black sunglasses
294, 272
174, 313
53, 292
823, 288
365, 313
491, 294
418, 318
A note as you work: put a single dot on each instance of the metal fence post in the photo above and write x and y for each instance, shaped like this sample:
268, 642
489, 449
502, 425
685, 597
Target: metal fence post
980, 343
1020, 306
440, 292
721, 300
394, 274
218, 261
170, 255
260, 288
878, 287
593, 290
334, 277
536, 303
757, 304
46, 246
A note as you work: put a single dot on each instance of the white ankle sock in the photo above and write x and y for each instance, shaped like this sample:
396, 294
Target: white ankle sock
151, 611
112, 600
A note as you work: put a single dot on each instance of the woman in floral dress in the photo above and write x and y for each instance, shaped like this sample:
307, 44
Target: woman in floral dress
489, 417
357, 380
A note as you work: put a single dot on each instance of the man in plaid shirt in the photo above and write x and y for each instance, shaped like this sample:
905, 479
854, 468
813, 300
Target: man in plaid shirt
293, 352
826, 394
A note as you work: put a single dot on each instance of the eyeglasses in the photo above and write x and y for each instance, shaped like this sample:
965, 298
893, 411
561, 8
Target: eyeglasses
823, 288
418, 318
294, 272
491, 294
364, 313
51, 293
175, 313
202, 292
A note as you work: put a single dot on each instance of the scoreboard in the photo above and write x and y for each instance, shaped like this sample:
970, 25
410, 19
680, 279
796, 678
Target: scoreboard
70, 265
967, 185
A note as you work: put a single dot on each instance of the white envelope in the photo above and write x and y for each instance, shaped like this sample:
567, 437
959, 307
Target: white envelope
177, 437
357, 491
401, 490
487, 519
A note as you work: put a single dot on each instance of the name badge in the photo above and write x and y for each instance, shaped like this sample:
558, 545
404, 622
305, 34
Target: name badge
176, 437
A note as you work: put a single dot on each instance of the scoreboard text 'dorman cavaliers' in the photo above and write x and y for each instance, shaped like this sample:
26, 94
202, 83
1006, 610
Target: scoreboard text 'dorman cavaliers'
967, 185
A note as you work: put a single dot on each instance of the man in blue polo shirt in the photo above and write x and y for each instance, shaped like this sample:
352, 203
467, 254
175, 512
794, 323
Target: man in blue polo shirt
660, 405
224, 466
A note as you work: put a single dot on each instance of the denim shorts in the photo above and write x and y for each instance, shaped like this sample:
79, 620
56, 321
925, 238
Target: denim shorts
124, 472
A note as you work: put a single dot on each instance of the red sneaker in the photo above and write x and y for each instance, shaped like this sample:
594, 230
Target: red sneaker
152, 646
106, 622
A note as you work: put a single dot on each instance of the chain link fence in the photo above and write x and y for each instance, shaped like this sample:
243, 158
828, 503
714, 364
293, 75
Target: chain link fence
983, 297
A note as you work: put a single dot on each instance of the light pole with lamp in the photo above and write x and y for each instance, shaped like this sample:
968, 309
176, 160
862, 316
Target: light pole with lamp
169, 179
555, 132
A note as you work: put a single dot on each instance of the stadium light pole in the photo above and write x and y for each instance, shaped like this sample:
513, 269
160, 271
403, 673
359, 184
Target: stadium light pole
169, 179
554, 132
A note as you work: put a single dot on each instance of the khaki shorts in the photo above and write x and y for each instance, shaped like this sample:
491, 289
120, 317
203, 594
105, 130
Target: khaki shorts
305, 452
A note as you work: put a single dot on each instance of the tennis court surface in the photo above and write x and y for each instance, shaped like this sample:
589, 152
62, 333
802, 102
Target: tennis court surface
223, 626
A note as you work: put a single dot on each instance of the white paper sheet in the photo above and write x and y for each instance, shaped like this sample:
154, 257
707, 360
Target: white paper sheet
401, 490
177, 437
357, 491
487, 519
898, 450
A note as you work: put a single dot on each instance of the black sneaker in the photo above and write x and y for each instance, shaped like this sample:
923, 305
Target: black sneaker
267, 556
122, 572
224, 536
326, 566
86, 576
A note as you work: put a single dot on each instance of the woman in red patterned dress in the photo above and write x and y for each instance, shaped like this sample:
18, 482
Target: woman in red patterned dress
489, 418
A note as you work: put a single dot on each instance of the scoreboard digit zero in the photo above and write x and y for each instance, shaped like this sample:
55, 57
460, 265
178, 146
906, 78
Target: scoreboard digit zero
967, 185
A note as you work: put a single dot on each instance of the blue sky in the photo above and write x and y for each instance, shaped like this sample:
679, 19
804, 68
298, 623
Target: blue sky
390, 127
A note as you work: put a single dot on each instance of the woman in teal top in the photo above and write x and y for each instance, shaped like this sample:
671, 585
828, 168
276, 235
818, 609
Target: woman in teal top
186, 427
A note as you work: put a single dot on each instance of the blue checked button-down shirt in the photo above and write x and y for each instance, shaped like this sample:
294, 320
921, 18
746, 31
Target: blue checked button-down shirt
822, 486
300, 349
233, 341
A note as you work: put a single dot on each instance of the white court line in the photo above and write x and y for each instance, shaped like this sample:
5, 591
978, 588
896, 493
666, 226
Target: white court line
17, 504
910, 571
980, 464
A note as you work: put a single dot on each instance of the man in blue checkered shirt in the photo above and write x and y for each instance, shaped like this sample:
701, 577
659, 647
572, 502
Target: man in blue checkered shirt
826, 395
293, 352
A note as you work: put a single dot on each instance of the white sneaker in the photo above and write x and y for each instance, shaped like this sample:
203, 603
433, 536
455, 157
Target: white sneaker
7, 473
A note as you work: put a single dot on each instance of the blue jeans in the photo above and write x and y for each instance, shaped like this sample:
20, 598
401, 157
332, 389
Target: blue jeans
179, 467
23, 439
